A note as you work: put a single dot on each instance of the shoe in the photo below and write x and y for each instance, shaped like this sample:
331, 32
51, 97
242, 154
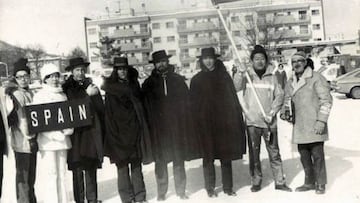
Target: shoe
230, 192
212, 193
283, 187
255, 188
184, 197
161, 198
305, 187
320, 189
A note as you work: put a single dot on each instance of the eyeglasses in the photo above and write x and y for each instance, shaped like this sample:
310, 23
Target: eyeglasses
298, 61
22, 77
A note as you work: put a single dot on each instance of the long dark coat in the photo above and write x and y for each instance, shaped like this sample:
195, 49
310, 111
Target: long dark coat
217, 114
87, 142
169, 117
127, 134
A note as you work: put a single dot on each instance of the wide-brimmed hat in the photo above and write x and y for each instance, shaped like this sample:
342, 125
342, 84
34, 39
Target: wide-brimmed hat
75, 62
210, 51
300, 53
258, 49
120, 62
49, 69
20, 65
158, 55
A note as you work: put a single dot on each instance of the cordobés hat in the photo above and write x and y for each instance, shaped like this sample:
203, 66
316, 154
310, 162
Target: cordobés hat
210, 51
20, 65
300, 53
258, 49
158, 55
49, 69
74, 62
120, 62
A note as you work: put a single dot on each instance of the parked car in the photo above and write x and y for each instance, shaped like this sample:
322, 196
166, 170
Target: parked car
348, 84
330, 72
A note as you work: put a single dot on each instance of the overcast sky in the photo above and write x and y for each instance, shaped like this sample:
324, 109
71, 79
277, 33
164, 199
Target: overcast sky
58, 24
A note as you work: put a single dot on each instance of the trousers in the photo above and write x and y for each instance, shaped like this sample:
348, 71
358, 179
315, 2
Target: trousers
210, 177
89, 177
313, 161
55, 176
272, 147
162, 179
131, 186
25, 177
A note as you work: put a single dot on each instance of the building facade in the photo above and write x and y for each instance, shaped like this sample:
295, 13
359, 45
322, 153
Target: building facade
184, 32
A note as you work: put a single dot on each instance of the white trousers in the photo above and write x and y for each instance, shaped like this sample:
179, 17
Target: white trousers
55, 163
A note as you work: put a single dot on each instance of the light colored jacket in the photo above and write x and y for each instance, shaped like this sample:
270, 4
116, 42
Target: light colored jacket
312, 102
52, 140
20, 133
269, 92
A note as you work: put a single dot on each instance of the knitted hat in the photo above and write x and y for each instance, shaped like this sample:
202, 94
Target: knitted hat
21, 65
49, 69
258, 49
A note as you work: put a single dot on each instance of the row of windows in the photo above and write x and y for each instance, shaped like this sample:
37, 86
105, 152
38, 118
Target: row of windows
168, 39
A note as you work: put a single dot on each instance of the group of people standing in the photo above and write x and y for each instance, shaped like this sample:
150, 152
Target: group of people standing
164, 121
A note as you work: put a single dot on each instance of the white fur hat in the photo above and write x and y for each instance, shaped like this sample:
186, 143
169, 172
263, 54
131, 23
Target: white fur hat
49, 69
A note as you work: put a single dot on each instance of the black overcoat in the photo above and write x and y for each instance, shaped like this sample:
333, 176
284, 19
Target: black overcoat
87, 142
127, 134
166, 99
217, 114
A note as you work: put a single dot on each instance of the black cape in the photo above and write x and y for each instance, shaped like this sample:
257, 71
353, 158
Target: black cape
217, 114
169, 117
127, 134
87, 141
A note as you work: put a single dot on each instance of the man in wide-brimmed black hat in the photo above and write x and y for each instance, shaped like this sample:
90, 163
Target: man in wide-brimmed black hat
217, 119
166, 102
86, 154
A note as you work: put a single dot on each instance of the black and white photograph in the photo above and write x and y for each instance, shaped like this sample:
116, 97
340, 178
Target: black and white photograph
145, 101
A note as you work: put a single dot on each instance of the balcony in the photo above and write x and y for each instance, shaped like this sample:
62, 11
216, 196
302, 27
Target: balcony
135, 61
196, 27
290, 34
283, 20
185, 58
132, 47
198, 42
129, 33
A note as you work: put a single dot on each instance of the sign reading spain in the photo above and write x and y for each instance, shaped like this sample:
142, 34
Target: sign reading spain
58, 116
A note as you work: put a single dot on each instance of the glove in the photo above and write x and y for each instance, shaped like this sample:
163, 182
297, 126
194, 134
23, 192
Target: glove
319, 127
33, 145
92, 90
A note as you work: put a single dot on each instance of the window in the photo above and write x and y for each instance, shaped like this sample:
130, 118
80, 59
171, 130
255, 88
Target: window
210, 34
92, 31
317, 39
302, 15
94, 58
183, 39
185, 52
236, 33
195, 21
196, 34
249, 32
304, 29
169, 24
171, 38
172, 52
117, 27
290, 28
316, 26
291, 41
235, 19
315, 12
93, 44
238, 46
156, 26
304, 40
132, 54
249, 18
143, 28
157, 39
288, 13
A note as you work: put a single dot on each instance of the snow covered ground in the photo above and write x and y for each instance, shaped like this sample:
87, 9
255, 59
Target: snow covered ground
342, 158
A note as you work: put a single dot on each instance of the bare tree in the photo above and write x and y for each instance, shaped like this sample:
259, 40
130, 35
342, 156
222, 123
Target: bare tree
76, 52
36, 52
108, 50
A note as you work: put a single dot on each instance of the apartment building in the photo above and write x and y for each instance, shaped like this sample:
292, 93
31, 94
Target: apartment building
183, 32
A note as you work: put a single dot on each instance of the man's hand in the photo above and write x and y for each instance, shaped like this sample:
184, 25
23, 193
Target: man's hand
92, 90
268, 119
319, 127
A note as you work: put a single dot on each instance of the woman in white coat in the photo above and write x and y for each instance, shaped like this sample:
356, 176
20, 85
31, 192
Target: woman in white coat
53, 145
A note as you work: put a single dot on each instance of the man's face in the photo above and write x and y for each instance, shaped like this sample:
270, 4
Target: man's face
22, 78
79, 73
259, 61
162, 65
298, 64
209, 62
281, 67
122, 72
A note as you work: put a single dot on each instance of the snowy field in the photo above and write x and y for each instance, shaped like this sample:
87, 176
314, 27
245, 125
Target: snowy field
342, 159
